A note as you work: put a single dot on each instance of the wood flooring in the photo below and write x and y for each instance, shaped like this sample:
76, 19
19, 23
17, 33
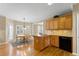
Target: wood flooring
53, 51
28, 50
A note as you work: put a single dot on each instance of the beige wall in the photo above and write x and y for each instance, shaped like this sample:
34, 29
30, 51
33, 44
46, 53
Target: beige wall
2, 29
14, 23
74, 29
8, 22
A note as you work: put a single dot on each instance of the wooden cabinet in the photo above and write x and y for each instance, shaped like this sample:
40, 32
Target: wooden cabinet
51, 24
41, 42
54, 41
47, 24
60, 23
65, 22
37, 42
45, 41
55, 23
68, 22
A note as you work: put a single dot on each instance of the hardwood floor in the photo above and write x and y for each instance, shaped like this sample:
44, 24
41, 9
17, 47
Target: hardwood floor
53, 51
28, 50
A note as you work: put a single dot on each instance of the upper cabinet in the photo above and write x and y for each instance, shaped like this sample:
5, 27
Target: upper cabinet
63, 22
47, 24
68, 22
55, 23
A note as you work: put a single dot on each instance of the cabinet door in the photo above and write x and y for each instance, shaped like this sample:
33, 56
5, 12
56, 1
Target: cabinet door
37, 43
52, 43
51, 24
46, 40
55, 23
56, 41
41, 43
68, 22
61, 22
47, 24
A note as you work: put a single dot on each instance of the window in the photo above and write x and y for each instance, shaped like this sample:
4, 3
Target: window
40, 29
21, 30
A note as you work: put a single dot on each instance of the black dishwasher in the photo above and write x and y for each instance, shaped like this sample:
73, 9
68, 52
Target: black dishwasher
65, 43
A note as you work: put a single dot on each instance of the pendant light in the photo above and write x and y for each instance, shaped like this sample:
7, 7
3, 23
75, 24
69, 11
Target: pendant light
24, 26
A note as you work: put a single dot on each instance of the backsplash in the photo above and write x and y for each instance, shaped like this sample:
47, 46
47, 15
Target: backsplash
59, 32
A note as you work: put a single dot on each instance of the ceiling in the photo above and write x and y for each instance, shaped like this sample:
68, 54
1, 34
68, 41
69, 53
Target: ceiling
33, 12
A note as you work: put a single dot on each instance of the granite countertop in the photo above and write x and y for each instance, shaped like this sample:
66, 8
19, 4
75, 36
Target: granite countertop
52, 35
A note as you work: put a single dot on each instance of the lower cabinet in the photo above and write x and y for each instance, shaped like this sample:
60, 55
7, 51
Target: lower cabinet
41, 42
36, 43
54, 41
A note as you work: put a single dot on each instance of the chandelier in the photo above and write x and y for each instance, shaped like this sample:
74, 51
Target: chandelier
24, 26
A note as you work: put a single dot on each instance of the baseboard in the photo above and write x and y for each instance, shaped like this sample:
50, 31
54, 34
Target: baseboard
3, 43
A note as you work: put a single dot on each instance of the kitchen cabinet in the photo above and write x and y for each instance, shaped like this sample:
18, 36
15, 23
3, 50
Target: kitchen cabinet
54, 41
40, 42
47, 24
55, 23
46, 40
63, 22
68, 22
37, 42
51, 25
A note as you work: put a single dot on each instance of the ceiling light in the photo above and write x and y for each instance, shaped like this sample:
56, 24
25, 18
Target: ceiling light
49, 3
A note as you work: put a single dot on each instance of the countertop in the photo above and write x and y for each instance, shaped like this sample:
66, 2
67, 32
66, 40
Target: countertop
51, 35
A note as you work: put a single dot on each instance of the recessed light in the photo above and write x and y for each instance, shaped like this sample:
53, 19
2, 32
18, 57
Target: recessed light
49, 3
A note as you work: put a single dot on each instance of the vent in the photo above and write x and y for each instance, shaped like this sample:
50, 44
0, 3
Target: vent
56, 16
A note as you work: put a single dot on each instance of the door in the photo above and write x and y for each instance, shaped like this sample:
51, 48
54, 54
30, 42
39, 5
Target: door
56, 41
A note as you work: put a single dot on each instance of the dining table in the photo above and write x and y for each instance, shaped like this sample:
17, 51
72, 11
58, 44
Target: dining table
21, 38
